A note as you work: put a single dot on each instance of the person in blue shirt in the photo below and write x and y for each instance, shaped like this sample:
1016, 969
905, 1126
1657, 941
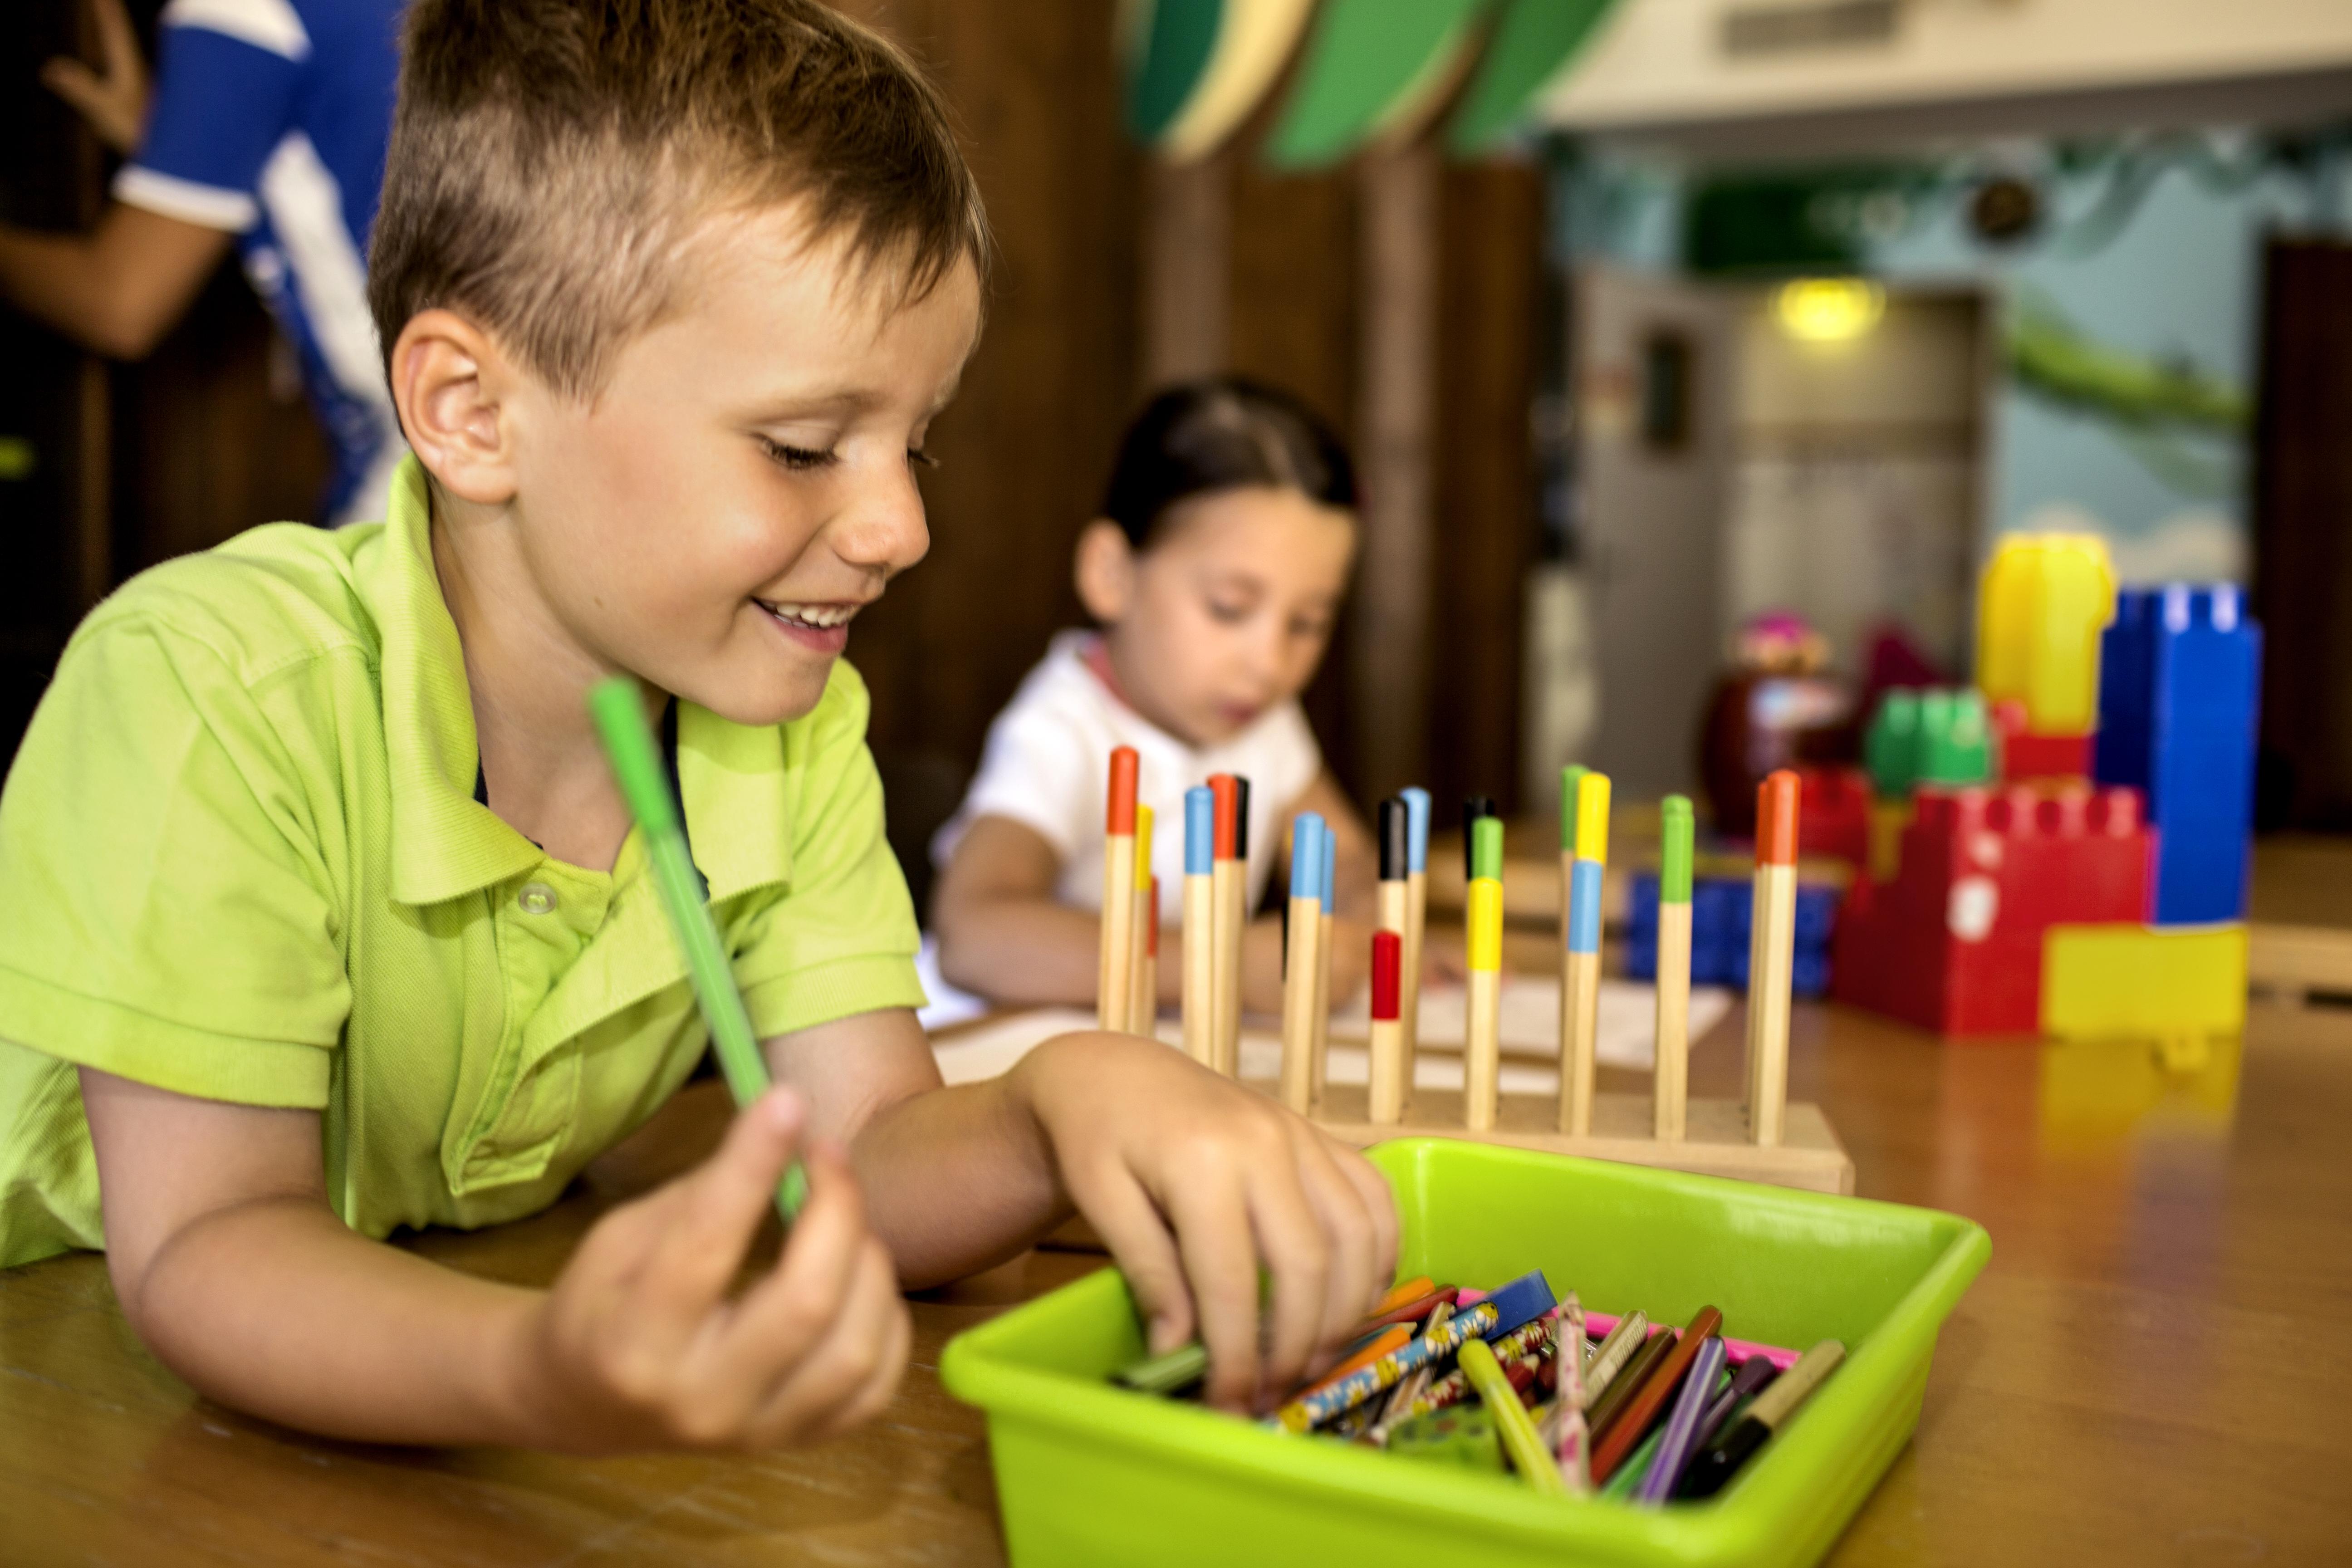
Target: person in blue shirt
267, 126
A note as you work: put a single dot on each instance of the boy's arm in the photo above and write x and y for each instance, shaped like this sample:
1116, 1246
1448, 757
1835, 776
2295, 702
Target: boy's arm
234, 1271
1195, 1182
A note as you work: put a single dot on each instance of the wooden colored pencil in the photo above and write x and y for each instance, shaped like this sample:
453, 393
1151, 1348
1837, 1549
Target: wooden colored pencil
1512, 1423
1200, 934
1570, 1449
1670, 1077
1601, 1409
1681, 1428
1301, 938
1416, 924
1142, 1000
1147, 991
1482, 1064
1730, 1448
1619, 1345
1386, 1093
1322, 1041
1113, 978
1771, 956
1615, 1436
1229, 876
1580, 962
1571, 1004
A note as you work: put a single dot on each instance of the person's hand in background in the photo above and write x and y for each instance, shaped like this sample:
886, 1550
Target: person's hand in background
112, 99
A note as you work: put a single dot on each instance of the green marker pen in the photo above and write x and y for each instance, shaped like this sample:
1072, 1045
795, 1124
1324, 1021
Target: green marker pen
618, 709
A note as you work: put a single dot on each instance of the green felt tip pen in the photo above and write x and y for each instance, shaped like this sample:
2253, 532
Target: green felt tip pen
618, 708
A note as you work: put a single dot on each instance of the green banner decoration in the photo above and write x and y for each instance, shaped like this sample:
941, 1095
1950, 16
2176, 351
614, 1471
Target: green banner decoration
1255, 40
2050, 356
1170, 44
1533, 45
1370, 63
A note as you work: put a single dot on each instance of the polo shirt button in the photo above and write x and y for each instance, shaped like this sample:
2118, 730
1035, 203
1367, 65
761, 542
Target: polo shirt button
536, 898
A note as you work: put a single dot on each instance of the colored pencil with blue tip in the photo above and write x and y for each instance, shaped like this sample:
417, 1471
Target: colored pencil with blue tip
1302, 937
1199, 1006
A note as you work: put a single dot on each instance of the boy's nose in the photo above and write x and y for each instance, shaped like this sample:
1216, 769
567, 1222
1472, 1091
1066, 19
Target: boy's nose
883, 529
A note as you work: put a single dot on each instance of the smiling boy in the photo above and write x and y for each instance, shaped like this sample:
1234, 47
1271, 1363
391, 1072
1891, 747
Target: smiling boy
320, 915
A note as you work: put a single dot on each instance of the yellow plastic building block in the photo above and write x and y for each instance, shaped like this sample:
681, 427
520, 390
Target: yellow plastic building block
2144, 983
2042, 601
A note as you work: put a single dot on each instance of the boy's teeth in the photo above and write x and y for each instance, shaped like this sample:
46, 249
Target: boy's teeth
811, 615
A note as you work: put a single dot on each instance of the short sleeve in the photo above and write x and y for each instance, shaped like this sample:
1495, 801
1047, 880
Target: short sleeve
226, 81
165, 914
1036, 771
840, 937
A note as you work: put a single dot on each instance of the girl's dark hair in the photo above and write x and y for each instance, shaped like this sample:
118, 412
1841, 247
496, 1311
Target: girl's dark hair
1222, 433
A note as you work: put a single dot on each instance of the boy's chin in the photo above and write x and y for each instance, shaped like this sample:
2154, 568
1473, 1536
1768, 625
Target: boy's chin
758, 701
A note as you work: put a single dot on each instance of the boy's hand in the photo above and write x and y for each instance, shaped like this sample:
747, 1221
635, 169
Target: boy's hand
1197, 1184
639, 1345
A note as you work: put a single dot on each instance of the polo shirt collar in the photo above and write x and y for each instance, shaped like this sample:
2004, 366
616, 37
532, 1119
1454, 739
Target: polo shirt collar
445, 843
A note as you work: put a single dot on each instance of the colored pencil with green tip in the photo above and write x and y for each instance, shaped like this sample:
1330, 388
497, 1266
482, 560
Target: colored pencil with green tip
1670, 1076
617, 706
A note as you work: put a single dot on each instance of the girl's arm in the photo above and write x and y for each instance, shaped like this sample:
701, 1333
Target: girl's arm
1004, 935
234, 1271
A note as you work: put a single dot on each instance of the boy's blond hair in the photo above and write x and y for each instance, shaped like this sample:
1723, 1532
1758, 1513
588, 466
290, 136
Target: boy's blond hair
549, 157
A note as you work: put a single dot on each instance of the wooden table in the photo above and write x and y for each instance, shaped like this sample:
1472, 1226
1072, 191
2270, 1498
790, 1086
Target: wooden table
2152, 1370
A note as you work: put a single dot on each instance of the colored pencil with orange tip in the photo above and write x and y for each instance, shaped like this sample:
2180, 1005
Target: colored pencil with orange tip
1115, 975
1771, 956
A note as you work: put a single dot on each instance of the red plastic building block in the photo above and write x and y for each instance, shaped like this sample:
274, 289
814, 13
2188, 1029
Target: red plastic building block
1833, 813
1954, 942
2026, 756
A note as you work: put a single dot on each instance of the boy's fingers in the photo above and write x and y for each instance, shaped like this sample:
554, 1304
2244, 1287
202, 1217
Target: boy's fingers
1128, 1223
1213, 1238
850, 1369
711, 1214
1380, 1204
1299, 1254
1341, 1209
781, 1317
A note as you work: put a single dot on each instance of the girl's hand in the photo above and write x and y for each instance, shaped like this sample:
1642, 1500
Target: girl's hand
1197, 1184
639, 1344
112, 99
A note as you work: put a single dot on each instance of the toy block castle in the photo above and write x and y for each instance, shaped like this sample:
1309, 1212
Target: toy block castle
2050, 903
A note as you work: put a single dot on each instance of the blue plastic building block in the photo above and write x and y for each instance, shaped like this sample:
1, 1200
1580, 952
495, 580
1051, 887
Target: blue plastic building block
1721, 911
2179, 693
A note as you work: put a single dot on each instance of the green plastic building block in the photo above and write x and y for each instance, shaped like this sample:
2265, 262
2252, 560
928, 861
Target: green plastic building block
1942, 735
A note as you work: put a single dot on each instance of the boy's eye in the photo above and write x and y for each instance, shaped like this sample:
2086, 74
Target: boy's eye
918, 458
797, 459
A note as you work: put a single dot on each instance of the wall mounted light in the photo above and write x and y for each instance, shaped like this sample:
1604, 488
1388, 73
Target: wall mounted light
1830, 310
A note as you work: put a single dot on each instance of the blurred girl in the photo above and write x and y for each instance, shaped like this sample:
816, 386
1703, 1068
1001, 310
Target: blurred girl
1215, 574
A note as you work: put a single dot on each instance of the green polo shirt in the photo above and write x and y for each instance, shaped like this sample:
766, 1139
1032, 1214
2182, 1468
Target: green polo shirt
240, 859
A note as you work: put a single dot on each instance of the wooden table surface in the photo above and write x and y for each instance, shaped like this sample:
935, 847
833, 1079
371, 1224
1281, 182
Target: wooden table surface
2153, 1368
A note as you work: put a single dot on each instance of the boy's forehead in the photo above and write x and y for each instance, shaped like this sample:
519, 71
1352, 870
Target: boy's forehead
774, 261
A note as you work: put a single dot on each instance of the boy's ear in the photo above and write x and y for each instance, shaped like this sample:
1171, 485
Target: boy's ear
449, 383
1106, 570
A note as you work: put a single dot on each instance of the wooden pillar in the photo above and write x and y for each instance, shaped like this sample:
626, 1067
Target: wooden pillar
1396, 260
1187, 282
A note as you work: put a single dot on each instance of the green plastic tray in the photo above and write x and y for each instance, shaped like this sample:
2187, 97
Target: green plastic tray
1090, 1474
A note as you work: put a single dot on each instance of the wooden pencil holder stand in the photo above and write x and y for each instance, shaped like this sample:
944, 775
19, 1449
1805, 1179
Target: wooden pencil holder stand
1715, 1142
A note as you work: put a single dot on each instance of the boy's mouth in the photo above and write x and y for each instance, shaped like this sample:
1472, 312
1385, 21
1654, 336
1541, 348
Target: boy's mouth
822, 627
